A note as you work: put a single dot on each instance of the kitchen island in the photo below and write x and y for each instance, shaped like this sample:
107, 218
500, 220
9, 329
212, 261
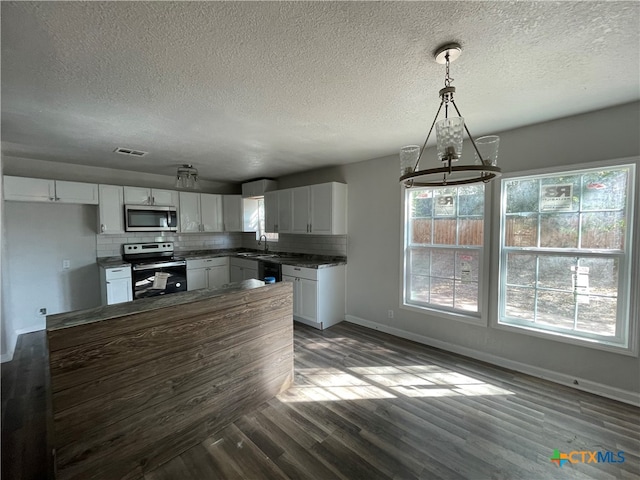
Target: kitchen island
134, 384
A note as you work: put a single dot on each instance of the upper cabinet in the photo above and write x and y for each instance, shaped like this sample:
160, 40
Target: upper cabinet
277, 211
111, 209
320, 209
232, 213
328, 210
42, 190
200, 212
271, 212
150, 196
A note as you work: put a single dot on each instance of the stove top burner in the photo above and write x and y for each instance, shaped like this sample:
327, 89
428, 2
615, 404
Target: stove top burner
145, 253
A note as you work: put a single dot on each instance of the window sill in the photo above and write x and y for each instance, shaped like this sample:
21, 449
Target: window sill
471, 318
630, 350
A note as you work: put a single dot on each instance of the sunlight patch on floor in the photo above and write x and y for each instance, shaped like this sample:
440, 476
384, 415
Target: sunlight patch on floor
385, 381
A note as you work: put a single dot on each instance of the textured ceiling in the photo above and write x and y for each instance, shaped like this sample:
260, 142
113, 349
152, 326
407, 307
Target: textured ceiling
250, 89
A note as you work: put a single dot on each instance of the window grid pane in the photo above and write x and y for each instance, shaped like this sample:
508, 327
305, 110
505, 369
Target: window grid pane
444, 239
547, 287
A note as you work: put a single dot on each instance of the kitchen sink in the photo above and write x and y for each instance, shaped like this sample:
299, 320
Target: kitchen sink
266, 256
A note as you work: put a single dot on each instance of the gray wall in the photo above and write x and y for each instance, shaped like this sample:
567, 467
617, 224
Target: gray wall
374, 249
39, 237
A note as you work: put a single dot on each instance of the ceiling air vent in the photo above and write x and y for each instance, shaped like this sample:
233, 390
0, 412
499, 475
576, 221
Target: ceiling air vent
130, 151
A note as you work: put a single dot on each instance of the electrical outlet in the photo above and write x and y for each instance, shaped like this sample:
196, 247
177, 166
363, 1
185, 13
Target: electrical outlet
42, 311
390, 314
66, 264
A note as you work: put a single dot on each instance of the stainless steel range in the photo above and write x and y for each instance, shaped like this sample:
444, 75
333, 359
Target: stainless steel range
155, 270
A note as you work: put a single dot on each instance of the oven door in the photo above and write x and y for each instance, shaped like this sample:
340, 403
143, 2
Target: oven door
151, 280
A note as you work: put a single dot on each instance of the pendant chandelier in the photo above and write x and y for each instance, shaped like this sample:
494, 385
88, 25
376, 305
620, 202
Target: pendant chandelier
187, 177
449, 136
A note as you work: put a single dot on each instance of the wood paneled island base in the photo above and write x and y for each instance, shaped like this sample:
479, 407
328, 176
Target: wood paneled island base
135, 384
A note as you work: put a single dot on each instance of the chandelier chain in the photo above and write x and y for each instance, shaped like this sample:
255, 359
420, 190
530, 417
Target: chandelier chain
447, 78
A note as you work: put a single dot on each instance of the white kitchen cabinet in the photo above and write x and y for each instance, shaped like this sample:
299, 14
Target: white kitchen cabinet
232, 213
328, 211
318, 294
150, 196
301, 205
271, 212
207, 273
320, 209
277, 211
284, 211
211, 211
116, 285
242, 269
41, 190
111, 209
200, 212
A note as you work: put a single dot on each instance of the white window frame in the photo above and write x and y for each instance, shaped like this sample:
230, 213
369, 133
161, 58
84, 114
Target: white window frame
629, 281
475, 318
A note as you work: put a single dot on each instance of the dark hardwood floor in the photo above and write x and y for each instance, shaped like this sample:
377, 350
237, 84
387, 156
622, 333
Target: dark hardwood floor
367, 405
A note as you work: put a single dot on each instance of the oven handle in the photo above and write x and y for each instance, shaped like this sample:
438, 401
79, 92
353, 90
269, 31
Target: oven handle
152, 266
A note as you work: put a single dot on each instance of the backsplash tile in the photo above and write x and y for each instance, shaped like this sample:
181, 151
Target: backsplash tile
111, 245
336, 245
312, 244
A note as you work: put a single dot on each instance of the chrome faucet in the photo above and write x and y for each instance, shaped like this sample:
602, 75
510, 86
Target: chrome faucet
266, 246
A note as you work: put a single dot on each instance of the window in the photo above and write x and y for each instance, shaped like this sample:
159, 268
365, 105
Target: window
271, 237
443, 248
254, 218
565, 253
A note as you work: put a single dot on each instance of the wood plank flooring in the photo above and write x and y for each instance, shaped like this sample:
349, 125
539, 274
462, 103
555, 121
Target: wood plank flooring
366, 405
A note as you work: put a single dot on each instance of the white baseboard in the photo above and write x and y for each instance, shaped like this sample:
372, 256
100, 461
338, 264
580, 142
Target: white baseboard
11, 346
13, 339
614, 393
6, 357
29, 329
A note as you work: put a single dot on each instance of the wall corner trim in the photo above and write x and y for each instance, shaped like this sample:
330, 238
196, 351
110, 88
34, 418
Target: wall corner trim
6, 357
625, 396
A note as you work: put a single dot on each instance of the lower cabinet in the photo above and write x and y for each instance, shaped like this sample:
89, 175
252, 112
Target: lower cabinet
207, 273
318, 294
115, 285
242, 269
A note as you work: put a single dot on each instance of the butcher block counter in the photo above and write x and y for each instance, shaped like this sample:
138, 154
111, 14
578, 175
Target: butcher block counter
135, 384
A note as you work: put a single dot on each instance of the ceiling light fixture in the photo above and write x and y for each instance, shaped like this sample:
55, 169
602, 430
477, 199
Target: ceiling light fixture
449, 136
187, 177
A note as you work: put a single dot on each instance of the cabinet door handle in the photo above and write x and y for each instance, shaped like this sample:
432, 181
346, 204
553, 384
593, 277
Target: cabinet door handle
51, 199
57, 199
153, 200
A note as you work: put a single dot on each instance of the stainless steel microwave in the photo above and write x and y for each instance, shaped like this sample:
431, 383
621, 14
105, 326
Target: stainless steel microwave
150, 218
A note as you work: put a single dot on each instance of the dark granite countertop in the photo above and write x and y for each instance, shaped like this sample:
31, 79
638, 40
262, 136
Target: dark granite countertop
112, 262
283, 258
81, 317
